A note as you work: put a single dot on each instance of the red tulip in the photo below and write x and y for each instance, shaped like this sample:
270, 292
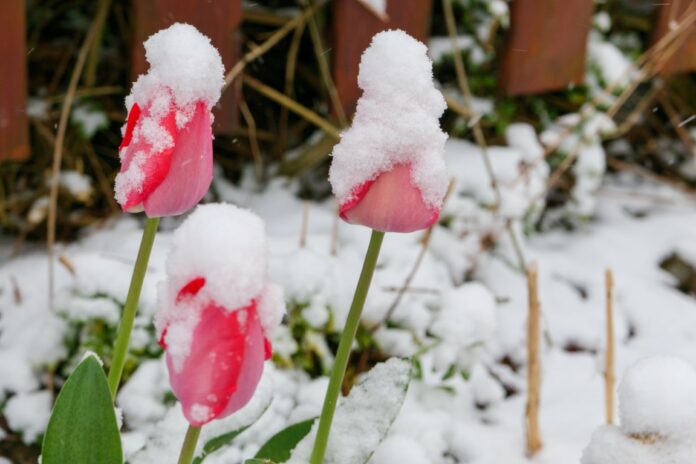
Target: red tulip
225, 362
216, 311
391, 203
167, 152
171, 180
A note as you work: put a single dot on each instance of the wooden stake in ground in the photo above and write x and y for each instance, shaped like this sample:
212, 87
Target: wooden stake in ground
305, 223
533, 365
609, 377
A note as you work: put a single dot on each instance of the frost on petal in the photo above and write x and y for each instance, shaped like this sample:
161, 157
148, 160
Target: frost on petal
392, 203
396, 122
191, 170
218, 256
146, 160
224, 364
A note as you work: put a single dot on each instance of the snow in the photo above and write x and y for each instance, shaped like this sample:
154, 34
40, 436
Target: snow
226, 246
610, 446
183, 61
16, 375
615, 68
378, 6
466, 318
438, 47
401, 449
474, 421
396, 121
363, 418
78, 184
28, 413
89, 119
655, 398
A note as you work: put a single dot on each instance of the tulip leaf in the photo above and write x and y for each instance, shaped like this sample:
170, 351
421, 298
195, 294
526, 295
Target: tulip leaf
279, 447
219, 441
83, 428
365, 415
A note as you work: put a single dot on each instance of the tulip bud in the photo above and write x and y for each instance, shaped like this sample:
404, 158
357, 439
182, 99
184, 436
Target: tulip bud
388, 170
217, 311
167, 148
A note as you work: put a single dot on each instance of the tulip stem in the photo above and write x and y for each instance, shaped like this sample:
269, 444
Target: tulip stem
341, 362
118, 359
189, 446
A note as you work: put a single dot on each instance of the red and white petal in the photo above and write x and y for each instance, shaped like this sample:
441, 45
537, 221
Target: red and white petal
191, 170
224, 364
142, 167
390, 203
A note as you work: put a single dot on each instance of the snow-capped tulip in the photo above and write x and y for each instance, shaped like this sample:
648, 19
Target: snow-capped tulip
167, 148
388, 170
216, 311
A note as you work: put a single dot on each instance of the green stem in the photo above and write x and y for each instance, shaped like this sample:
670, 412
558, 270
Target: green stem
129, 309
189, 446
339, 368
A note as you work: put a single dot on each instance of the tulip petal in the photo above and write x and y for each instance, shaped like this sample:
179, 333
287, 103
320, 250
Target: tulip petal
133, 116
150, 168
390, 203
191, 170
224, 365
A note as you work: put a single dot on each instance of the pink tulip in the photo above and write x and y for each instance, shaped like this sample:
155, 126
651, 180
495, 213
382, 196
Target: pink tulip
217, 311
391, 203
167, 148
388, 170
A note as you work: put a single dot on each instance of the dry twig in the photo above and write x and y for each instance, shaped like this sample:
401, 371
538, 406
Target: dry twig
534, 443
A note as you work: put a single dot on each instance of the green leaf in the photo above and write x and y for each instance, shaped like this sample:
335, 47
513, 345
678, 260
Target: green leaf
258, 461
279, 447
83, 428
218, 442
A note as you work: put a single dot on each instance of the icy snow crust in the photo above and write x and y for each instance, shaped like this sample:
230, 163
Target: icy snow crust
227, 247
185, 68
396, 121
657, 417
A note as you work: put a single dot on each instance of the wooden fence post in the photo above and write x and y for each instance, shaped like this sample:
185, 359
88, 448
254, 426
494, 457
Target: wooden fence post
353, 27
218, 19
684, 58
14, 132
545, 46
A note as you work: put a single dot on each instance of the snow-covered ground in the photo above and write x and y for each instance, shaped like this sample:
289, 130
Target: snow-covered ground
464, 318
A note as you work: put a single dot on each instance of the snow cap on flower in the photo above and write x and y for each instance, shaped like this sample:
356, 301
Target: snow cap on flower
388, 170
656, 398
166, 152
217, 310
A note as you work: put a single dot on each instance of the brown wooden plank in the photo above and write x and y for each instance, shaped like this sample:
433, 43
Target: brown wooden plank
14, 133
684, 57
218, 19
353, 28
545, 46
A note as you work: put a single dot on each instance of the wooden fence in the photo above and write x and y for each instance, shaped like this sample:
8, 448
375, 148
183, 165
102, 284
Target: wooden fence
544, 49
